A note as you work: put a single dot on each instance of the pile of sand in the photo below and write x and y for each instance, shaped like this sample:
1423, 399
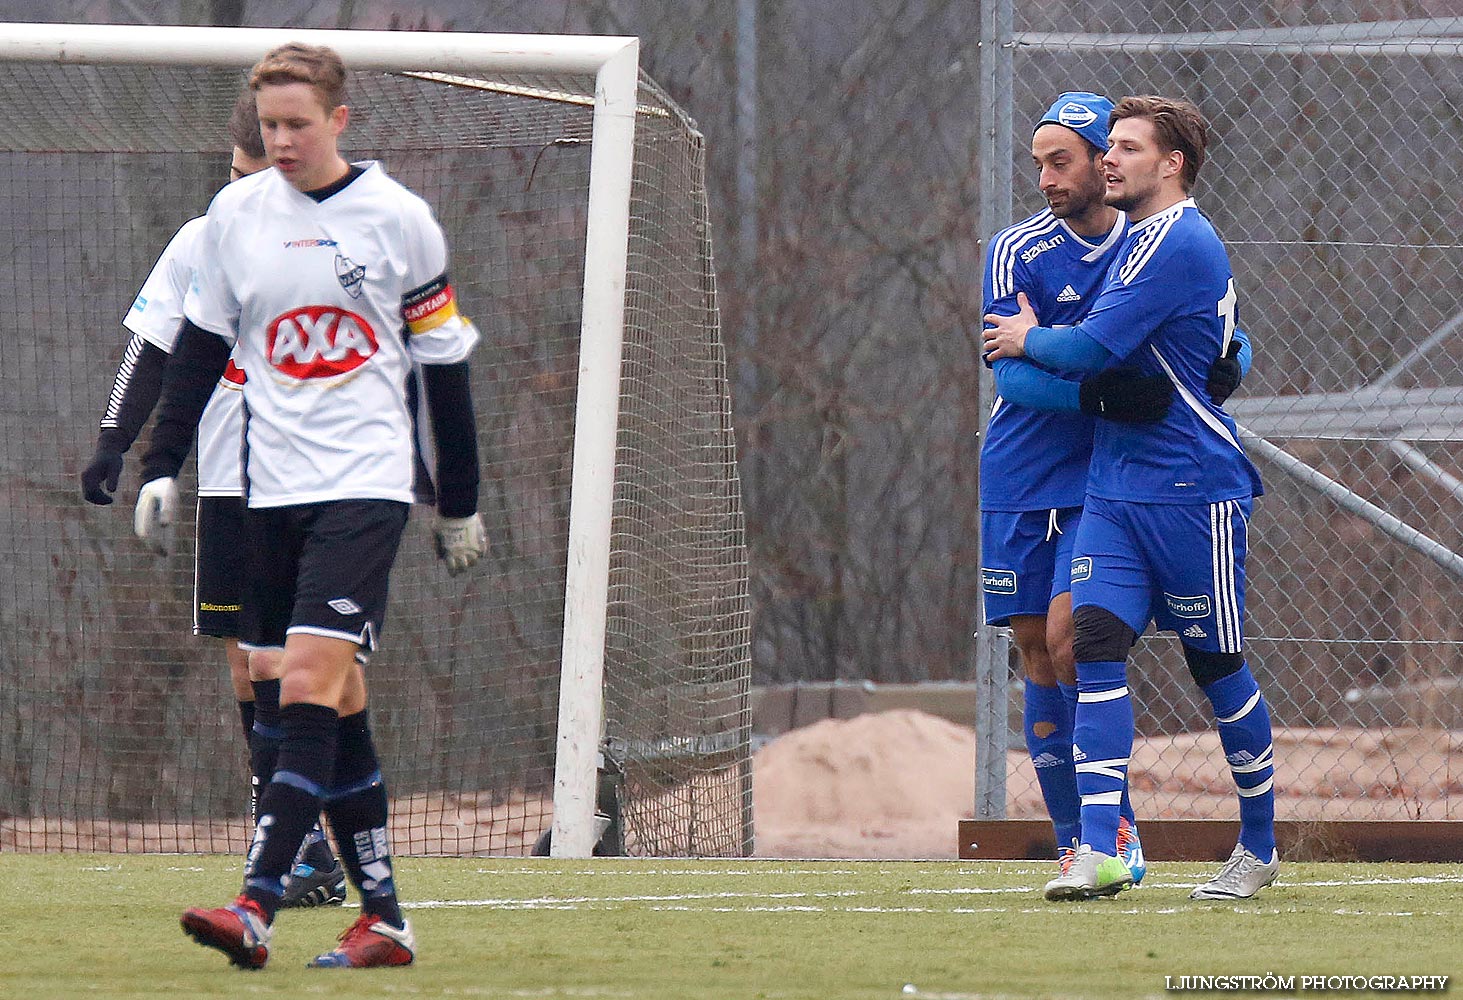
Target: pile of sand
885, 785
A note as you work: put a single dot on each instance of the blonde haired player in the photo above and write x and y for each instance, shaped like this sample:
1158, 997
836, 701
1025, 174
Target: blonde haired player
154, 319
329, 280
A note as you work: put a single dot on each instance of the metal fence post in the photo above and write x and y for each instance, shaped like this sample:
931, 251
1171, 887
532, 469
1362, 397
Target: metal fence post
992, 646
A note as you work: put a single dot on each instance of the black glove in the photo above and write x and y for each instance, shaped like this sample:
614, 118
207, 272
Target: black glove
1125, 395
99, 479
1224, 375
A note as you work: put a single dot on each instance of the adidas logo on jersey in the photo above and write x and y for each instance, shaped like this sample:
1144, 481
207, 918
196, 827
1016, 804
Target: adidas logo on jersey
1195, 632
1045, 759
1069, 294
1077, 753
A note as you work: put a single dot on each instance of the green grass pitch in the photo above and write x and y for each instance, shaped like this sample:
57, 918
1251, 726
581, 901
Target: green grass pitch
107, 926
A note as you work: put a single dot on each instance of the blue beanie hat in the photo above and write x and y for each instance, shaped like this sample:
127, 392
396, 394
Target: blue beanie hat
1083, 113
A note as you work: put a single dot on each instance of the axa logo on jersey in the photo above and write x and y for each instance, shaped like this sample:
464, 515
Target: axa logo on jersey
319, 342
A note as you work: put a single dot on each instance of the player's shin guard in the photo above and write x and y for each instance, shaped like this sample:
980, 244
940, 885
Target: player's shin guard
357, 810
1244, 730
291, 801
1102, 742
1048, 725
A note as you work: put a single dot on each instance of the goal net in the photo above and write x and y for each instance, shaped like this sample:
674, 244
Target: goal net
118, 729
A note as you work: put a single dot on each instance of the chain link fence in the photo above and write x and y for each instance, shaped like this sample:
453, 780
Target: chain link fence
849, 168
1333, 177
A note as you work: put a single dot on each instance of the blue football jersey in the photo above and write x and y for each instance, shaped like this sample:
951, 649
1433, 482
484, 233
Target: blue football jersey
1168, 306
1037, 459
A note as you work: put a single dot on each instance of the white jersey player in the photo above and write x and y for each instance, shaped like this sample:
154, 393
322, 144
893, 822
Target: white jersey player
155, 319
328, 282
317, 293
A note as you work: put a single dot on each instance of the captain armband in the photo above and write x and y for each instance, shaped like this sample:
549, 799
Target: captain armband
429, 306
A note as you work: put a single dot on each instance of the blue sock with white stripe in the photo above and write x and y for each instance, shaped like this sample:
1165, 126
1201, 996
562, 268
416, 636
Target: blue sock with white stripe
1244, 730
1048, 724
1125, 807
1102, 742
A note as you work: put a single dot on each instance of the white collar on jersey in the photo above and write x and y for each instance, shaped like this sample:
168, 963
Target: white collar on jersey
1096, 250
1167, 213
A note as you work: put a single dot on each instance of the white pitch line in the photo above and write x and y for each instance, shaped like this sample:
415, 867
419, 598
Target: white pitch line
1414, 880
770, 870
431, 904
969, 891
1078, 912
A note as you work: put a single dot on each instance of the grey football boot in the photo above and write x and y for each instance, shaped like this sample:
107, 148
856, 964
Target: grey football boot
1241, 877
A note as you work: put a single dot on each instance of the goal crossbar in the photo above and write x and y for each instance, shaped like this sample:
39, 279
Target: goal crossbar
614, 63
389, 51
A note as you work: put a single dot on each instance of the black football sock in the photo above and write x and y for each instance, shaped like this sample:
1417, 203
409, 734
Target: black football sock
246, 717
357, 810
316, 851
291, 801
264, 737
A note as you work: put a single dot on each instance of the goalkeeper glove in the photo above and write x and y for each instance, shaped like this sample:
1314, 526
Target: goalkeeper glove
461, 541
157, 511
1124, 395
1224, 375
99, 479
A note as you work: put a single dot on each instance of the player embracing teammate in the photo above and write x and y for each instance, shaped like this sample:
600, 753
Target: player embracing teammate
327, 281
1164, 529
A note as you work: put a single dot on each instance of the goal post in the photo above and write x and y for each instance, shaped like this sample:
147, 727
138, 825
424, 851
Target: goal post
651, 557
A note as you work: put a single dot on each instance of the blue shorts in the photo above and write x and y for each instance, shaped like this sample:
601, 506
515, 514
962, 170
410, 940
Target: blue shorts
1179, 565
1024, 558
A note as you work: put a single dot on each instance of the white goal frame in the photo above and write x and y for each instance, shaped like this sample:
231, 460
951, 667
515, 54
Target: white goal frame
614, 63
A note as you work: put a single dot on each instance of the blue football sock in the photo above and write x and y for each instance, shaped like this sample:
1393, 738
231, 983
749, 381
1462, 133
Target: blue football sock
1125, 807
1102, 742
1048, 725
1244, 730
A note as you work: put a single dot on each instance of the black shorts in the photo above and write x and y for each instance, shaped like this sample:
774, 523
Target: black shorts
320, 569
218, 569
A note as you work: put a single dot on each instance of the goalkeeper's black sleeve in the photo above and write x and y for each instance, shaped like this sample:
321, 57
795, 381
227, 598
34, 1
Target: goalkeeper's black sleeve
135, 390
198, 361
454, 427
